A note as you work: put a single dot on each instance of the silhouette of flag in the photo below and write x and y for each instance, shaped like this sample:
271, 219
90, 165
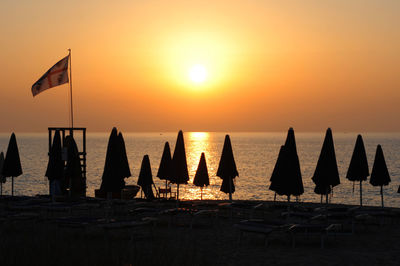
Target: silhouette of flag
56, 75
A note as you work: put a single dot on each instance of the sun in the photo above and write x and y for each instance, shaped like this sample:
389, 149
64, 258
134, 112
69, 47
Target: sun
198, 73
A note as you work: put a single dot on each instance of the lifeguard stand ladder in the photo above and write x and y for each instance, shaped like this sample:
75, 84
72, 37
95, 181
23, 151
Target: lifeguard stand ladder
81, 150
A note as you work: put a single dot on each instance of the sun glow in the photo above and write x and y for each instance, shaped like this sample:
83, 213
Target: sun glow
200, 60
198, 73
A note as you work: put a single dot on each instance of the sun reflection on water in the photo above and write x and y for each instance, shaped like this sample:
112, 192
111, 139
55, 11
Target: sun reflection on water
196, 143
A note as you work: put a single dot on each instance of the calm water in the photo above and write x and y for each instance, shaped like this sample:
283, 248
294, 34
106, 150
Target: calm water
255, 155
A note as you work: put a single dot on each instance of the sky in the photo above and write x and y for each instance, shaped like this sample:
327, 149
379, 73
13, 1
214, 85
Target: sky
269, 65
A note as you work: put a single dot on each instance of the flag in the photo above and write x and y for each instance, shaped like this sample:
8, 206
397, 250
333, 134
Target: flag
56, 75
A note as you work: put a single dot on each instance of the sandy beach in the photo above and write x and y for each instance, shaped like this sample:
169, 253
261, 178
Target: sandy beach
36, 231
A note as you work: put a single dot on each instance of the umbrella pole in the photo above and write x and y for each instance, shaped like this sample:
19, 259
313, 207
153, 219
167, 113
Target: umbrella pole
1, 188
12, 186
274, 196
201, 193
382, 195
327, 194
360, 193
321, 198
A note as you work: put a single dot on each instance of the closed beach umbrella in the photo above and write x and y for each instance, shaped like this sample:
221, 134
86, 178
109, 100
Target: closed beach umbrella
55, 166
73, 171
2, 177
358, 168
110, 165
12, 164
326, 174
227, 168
116, 166
295, 182
380, 174
201, 178
146, 178
165, 169
179, 164
286, 178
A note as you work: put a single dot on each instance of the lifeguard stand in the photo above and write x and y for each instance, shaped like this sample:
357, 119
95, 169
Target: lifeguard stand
81, 150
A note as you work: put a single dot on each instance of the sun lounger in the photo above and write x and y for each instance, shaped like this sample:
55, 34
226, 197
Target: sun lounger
207, 214
133, 228
177, 216
258, 226
323, 231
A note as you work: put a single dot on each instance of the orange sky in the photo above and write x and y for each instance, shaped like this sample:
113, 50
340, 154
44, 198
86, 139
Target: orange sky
271, 65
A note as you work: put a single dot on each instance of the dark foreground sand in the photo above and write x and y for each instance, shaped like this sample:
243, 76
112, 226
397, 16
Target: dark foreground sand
41, 233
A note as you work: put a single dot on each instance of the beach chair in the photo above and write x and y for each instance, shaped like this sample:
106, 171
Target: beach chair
166, 193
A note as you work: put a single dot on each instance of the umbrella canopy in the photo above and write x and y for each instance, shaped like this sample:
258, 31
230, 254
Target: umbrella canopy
286, 177
2, 177
165, 169
146, 178
358, 168
227, 168
55, 166
12, 164
116, 166
179, 163
326, 174
380, 174
73, 170
201, 178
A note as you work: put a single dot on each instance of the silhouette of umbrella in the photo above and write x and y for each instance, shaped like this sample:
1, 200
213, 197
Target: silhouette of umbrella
55, 166
201, 178
12, 164
358, 168
116, 166
73, 170
286, 177
326, 174
227, 168
165, 170
2, 177
179, 164
146, 178
380, 174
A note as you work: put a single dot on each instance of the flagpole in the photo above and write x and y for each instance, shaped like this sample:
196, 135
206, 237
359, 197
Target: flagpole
70, 88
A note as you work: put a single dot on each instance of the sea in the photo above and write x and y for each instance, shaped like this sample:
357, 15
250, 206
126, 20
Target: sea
255, 155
